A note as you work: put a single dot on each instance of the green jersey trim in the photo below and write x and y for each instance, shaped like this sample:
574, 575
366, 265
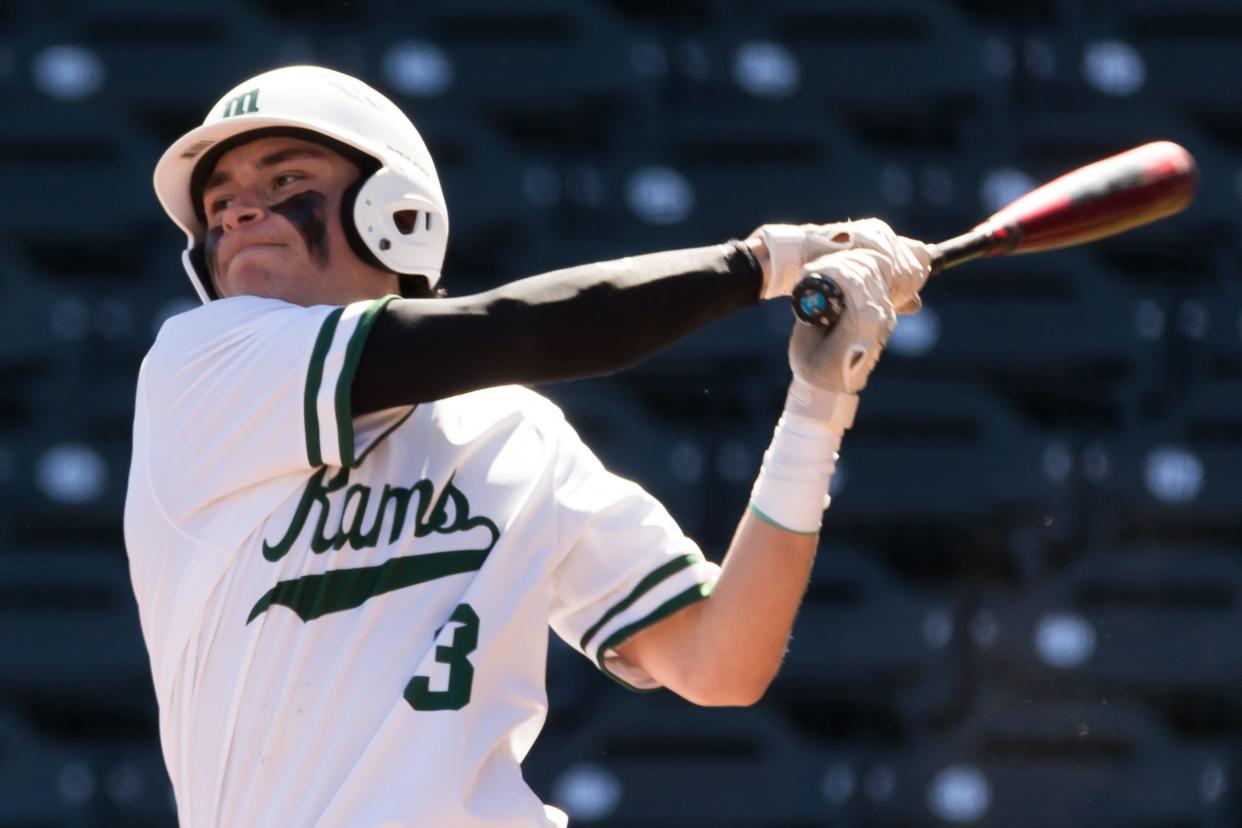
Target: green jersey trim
653, 579
680, 601
314, 596
345, 383
773, 522
314, 379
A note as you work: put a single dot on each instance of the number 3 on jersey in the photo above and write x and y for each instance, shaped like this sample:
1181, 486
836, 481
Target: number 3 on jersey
463, 640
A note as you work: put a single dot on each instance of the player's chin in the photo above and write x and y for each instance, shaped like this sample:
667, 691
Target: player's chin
251, 276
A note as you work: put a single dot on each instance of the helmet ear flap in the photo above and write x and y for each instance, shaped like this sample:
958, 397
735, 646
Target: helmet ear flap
349, 199
390, 216
412, 286
195, 261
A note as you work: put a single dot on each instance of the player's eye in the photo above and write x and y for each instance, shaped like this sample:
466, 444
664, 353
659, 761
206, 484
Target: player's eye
286, 178
219, 204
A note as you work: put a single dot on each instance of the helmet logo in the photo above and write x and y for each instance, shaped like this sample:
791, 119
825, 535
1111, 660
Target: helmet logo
243, 104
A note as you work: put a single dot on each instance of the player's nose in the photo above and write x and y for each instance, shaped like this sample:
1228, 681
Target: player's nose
241, 211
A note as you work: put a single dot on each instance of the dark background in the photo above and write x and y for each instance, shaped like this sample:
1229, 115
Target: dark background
1025, 609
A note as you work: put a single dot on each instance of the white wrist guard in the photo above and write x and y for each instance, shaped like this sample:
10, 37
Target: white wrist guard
791, 491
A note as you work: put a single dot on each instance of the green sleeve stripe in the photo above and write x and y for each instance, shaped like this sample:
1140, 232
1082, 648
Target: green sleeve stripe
680, 601
755, 510
314, 378
644, 586
345, 383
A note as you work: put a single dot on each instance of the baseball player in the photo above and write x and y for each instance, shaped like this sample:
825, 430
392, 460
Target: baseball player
349, 526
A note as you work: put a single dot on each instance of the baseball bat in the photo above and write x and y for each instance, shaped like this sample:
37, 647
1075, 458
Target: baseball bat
1092, 202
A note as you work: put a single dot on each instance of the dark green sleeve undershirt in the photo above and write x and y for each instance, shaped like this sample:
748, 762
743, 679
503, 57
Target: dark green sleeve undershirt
580, 322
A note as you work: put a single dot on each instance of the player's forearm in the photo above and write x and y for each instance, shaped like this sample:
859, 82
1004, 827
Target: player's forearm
584, 321
744, 630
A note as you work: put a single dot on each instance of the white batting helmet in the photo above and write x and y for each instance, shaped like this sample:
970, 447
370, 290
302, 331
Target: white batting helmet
395, 217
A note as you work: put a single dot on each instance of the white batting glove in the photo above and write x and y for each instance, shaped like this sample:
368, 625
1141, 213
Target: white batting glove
840, 360
791, 246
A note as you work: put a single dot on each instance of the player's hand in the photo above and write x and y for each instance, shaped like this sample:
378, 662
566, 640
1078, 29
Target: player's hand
791, 246
839, 360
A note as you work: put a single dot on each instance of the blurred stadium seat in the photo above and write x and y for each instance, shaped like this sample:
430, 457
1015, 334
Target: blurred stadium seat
864, 641
924, 452
73, 163
1029, 763
1119, 621
870, 45
134, 786
1183, 468
40, 784
66, 482
661, 762
30, 347
1033, 321
1180, 40
793, 166
69, 623
165, 64
45, 782
574, 51
1220, 354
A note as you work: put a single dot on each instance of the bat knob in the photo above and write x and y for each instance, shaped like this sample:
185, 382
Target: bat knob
818, 301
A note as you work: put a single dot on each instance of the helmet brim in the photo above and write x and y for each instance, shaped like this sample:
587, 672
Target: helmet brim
174, 172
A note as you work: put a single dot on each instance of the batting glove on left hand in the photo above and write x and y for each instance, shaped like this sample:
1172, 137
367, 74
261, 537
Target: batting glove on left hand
791, 246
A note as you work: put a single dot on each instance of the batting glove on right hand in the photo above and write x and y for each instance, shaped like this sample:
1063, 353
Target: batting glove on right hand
840, 359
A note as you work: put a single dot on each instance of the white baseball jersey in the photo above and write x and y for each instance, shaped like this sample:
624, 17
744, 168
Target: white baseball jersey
347, 617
